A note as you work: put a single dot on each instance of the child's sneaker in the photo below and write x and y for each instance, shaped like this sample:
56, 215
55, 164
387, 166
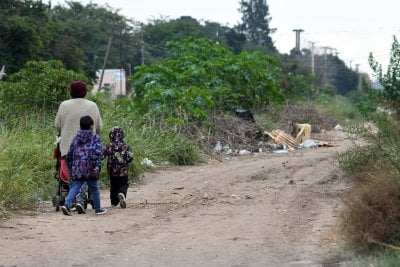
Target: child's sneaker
66, 211
122, 201
79, 208
101, 211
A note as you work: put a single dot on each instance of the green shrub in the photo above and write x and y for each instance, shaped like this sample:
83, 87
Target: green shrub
39, 85
361, 162
372, 214
342, 109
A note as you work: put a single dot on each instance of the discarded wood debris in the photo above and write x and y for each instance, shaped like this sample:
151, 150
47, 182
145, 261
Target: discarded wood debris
280, 137
302, 131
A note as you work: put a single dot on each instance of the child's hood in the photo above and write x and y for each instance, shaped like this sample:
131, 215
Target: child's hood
117, 134
83, 136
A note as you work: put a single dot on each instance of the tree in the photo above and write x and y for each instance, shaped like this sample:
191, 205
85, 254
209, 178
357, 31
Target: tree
23, 33
81, 34
391, 79
255, 24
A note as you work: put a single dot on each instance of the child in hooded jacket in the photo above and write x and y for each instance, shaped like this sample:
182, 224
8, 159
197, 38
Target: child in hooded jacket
118, 155
84, 160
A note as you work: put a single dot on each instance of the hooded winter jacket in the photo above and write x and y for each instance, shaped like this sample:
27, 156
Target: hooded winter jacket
118, 153
84, 155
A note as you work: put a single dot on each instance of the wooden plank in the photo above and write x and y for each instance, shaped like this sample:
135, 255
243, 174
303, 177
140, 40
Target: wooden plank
282, 138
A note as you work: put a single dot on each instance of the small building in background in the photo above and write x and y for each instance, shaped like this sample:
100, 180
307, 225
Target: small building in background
114, 82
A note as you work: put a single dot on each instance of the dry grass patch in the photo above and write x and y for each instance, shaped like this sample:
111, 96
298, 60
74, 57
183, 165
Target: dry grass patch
372, 214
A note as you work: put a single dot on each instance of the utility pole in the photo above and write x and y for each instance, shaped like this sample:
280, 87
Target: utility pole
105, 62
141, 45
298, 31
326, 48
312, 58
359, 77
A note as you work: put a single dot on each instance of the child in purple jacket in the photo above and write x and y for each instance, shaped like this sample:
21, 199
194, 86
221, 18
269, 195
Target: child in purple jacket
84, 160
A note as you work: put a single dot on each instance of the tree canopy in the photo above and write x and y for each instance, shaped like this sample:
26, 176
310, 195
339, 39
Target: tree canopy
255, 24
78, 36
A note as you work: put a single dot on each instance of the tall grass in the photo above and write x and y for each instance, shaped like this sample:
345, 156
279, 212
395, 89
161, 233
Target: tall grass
372, 214
385, 258
27, 142
26, 165
342, 109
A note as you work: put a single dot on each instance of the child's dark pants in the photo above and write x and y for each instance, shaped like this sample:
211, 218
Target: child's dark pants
118, 184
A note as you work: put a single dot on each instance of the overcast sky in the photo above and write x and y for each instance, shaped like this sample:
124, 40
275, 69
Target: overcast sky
354, 28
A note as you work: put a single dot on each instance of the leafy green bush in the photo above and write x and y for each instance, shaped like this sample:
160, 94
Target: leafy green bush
201, 77
358, 162
366, 100
39, 85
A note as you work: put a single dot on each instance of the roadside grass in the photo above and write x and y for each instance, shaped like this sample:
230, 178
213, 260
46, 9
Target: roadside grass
381, 258
341, 108
26, 148
371, 218
26, 165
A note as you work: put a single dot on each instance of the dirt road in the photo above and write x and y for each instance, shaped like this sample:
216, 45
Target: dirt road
259, 210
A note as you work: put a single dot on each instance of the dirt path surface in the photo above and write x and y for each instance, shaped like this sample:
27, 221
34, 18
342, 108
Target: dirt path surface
259, 210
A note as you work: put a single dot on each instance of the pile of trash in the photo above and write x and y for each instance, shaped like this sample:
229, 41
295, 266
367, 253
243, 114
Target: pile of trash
241, 135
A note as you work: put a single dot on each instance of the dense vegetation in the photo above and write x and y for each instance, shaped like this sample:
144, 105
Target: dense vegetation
184, 72
78, 36
372, 216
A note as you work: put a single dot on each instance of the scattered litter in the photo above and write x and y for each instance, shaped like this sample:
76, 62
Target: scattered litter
229, 151
147, 162
302, 131
327, 145
244, 152
280, 151
338, 127
218, 147
308, 144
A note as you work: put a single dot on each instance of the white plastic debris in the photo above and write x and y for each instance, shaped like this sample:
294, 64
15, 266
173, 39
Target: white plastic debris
338, 127
147, 162
229, 151
244, 152
280, 151
308, 144
218, 147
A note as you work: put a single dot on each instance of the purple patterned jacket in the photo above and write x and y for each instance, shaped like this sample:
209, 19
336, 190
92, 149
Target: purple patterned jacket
118, 153
84, 155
